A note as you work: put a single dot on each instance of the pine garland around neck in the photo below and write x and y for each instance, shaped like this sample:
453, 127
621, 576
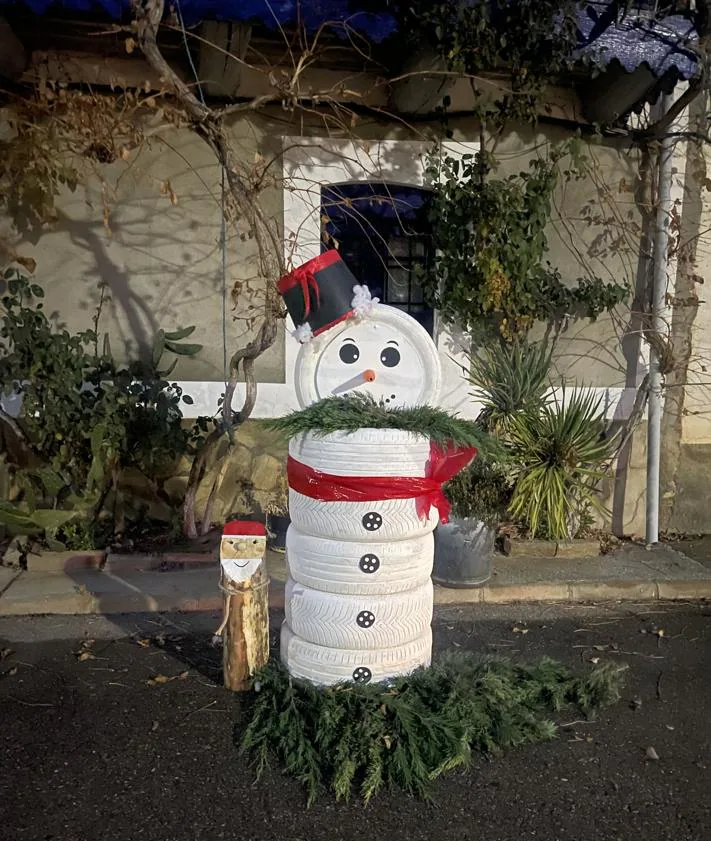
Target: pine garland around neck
360, 411
405, 734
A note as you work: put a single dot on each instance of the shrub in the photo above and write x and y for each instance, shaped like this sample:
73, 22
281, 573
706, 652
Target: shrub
84, 420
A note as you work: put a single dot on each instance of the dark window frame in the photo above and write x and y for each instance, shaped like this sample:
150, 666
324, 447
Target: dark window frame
381, 230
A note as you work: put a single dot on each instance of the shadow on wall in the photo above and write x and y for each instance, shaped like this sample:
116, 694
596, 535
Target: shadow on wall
139, 316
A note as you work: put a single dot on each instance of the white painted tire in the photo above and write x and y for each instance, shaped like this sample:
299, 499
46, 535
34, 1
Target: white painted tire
363, 452
326, 666
318, 372
358, 622
350, 567
389, 520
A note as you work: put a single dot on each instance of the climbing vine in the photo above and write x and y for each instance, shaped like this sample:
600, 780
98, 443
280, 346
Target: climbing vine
491, 269
529, 41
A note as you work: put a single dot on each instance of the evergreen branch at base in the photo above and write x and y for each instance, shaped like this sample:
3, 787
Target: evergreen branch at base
407, 733
360, 411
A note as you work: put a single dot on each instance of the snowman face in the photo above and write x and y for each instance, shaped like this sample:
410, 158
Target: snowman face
386, 354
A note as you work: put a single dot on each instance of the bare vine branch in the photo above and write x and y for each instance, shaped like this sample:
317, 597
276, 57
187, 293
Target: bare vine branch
209, 124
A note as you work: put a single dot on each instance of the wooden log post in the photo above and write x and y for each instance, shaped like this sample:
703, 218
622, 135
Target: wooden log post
244, 582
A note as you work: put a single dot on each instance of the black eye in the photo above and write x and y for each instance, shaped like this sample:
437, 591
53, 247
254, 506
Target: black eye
349, 353
390, 357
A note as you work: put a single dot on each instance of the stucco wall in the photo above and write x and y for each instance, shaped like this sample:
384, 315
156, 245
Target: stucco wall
162, 267
160, 262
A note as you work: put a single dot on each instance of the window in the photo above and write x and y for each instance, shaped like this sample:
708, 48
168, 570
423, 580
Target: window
382, 233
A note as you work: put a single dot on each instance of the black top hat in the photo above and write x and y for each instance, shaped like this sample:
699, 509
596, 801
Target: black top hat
320, 293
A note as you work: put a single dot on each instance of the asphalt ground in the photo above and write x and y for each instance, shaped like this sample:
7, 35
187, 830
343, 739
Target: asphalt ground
119, 730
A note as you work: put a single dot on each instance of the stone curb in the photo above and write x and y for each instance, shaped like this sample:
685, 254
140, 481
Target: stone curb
553, 549
578, 592
67, 562
81, 601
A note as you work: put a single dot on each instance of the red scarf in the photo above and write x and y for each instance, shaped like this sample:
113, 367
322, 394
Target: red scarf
444, 463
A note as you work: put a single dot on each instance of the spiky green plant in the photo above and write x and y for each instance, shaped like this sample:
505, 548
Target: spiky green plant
559, 456
406, 734
509, 378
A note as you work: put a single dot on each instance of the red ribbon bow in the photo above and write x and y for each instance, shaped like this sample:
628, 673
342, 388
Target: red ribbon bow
444, 463
306, 279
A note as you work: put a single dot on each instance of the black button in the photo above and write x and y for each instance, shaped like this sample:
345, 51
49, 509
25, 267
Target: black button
362, 674
372, 521
369, 563
365, 619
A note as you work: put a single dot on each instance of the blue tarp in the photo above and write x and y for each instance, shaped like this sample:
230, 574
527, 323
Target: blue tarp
632, 40
271, 13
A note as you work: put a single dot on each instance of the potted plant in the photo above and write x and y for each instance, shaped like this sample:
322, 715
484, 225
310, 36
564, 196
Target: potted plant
464, 547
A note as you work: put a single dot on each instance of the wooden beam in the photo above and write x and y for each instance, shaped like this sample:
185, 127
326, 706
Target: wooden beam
73, 68
13, 58
85, 68
557, 102
222, 52
411, 94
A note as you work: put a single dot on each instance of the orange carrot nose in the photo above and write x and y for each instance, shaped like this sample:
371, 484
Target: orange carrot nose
369, 375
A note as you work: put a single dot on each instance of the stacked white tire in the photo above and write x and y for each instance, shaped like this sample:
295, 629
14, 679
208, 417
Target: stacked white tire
359, 595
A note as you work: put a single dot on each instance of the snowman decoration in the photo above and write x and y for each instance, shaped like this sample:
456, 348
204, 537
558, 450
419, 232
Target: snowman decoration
363, 504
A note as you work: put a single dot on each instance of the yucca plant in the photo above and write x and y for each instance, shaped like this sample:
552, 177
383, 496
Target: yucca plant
509, 378
559, 457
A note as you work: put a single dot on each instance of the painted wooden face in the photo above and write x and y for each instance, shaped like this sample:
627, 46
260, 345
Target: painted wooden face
240, 556
387, 354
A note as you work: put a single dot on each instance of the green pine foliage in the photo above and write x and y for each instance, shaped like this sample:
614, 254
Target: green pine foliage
358, 411
405, 734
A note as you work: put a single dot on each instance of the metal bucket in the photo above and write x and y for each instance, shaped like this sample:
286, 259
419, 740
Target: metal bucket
464, 553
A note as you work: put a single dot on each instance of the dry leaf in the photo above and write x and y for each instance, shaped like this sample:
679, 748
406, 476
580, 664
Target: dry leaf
5, 653
27, 262
159, 680
388, 741
10, 672
652, 754
85, 655
183, 675
594, 660
518, 630
143, 643
130, 45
